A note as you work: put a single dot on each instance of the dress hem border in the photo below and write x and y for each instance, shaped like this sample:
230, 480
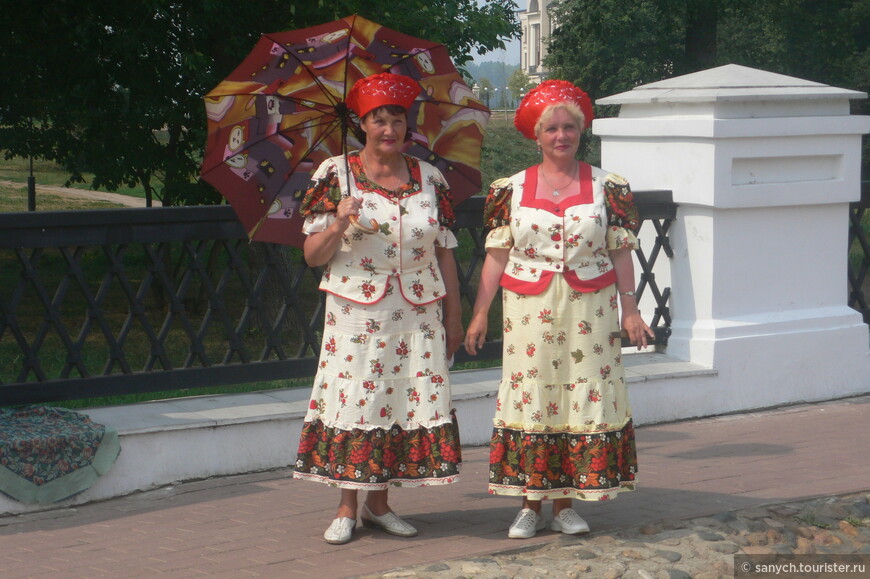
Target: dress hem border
563, 493
395, 482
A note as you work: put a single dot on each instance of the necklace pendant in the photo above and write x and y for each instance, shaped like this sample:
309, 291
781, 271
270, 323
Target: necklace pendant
555, 192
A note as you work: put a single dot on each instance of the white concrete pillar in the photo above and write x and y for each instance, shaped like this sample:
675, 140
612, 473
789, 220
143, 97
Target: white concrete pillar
763, 167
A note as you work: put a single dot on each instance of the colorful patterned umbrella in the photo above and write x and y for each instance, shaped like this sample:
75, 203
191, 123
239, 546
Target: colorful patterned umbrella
282, 112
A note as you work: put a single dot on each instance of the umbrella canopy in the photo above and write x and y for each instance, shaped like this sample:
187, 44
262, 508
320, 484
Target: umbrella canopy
282, 112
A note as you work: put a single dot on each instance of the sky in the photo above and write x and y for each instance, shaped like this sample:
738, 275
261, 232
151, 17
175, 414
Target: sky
512, 54
509, 56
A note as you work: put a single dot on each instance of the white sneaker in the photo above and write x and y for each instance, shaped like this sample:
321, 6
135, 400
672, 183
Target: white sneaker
569, 523
527, 523
340, 531
389, 522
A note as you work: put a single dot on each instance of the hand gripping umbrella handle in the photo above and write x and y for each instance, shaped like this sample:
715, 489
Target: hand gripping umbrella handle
342, 111
354, 220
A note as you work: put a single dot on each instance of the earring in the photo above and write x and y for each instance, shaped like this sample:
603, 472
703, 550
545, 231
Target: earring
540, 149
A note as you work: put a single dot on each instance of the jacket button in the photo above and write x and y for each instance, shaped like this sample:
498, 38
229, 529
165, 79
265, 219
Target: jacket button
558, 246
558, 266
394, 218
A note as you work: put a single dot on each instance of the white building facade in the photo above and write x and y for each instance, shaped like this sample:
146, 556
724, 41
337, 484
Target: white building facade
536, 28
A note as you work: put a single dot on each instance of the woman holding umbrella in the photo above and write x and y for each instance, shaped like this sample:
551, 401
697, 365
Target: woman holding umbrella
380, 413
560, 248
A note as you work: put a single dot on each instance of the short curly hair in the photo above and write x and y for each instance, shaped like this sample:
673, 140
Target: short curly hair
572, 110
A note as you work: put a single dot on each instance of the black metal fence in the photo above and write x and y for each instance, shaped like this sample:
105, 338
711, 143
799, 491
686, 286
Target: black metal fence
859, 254
109, 302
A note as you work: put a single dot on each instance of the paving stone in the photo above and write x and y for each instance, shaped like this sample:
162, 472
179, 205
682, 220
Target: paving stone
805, 546
773, 523
862, 508
726, 517
669, 556
671, 542
848, 528
727, 548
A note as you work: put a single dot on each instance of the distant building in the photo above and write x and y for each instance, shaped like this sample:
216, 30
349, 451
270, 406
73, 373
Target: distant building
536, 27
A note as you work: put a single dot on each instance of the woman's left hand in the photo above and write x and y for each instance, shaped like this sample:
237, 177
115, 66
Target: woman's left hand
639, 333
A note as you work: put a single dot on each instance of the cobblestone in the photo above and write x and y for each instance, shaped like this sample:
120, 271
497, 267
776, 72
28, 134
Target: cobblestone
688, 549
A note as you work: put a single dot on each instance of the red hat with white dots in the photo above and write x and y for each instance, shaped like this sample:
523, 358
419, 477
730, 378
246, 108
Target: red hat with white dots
382, 89
550, 92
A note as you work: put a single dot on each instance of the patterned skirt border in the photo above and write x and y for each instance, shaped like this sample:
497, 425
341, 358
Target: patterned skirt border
563, 493
363, 486
588, 467
377, 459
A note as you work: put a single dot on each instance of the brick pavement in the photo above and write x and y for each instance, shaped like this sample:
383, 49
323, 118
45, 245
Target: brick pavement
268, 525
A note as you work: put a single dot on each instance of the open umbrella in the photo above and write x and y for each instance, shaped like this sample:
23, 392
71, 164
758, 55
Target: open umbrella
282, 112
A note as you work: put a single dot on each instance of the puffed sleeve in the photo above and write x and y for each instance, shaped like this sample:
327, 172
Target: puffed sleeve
497, 214
446, 215
321, 199
622, 218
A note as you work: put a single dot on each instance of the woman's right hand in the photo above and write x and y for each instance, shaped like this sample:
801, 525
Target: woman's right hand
475, 334
347, 207
321, 246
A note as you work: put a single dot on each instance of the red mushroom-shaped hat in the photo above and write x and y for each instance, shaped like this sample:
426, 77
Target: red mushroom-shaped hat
550, 92
381, 89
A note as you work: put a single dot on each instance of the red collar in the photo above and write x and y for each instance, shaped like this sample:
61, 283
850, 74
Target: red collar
582, 197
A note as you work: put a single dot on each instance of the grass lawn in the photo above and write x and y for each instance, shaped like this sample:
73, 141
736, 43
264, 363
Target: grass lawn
13, 198
17, 170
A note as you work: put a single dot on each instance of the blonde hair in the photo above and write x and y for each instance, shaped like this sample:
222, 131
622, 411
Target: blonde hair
570, 107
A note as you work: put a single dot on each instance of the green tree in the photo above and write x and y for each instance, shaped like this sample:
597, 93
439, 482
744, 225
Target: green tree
115, 88
610, 46
519, 84
486, 90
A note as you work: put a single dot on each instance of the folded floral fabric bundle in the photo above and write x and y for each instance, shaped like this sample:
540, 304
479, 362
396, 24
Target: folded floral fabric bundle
48, 454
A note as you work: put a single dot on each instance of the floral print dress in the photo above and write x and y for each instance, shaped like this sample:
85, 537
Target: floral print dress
380, 408
562, 427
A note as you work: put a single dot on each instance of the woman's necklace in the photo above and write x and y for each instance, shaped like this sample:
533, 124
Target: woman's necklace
371, 177
557, 190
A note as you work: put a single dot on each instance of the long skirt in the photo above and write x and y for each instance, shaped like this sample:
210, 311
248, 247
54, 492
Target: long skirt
380, 412
562, 427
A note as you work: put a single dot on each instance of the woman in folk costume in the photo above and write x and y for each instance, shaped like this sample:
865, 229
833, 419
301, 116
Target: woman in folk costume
380, 409
560, 248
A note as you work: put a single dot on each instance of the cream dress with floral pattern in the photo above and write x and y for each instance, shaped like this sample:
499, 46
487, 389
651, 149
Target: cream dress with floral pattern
380, 407
562, 427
